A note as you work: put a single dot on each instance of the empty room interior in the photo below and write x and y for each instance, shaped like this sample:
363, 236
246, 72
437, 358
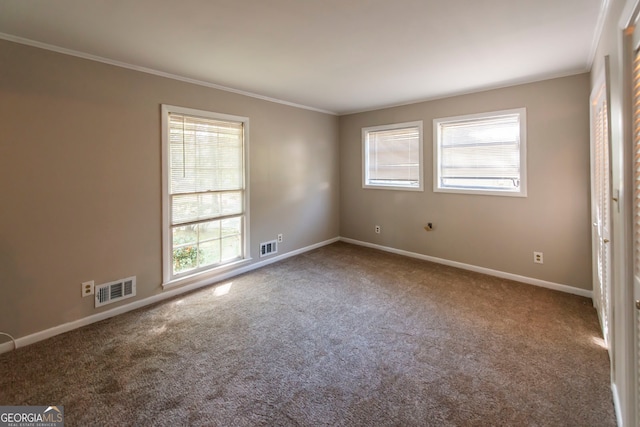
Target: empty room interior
341, 212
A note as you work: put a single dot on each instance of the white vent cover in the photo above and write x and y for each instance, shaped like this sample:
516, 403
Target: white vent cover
115, 291
268, 248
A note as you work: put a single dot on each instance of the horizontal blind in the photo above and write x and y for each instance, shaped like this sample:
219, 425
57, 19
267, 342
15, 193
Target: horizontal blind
206, 174
394, 156
206, 154
187, 208
481, 153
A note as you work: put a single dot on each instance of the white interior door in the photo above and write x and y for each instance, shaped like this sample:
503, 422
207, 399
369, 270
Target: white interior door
601, 206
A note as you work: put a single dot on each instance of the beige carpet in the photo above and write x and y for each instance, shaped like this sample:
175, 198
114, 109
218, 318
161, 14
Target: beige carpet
340, 336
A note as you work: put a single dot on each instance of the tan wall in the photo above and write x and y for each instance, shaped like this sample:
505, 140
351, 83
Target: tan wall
494, 232
81, 189
80, 179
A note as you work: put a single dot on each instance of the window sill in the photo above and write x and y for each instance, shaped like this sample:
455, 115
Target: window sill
213, 275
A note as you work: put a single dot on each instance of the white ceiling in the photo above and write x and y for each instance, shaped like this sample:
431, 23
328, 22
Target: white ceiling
338, 56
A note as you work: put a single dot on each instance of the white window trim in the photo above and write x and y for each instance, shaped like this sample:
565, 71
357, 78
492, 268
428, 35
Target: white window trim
365, 150
167, 279
523, 153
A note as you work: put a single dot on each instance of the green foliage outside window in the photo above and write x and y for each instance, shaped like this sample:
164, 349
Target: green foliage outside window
185, 258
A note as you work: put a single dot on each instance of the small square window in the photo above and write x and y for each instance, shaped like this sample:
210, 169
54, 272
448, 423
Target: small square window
392, 156
481, 154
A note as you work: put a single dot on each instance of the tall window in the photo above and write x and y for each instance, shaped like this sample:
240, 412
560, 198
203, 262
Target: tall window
481, 153
392, 156
204, 190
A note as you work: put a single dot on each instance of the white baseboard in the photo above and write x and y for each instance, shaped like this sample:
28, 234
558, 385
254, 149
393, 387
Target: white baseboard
66, 327
168, 293
616, 405
488, 271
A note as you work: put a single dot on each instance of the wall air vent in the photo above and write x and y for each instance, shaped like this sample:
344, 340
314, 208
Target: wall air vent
268, 248
115, 291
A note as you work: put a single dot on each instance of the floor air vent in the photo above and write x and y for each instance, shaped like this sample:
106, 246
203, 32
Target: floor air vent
268, 248
115, 291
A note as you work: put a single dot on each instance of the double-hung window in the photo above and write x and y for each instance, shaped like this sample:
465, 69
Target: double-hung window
392, 156
481, 153
204, 190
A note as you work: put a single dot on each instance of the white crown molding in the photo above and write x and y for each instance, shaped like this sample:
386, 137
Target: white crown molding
597, 34
83, 55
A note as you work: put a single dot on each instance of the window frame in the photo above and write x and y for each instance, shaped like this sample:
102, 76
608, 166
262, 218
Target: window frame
365, 156
168, 278
522, 113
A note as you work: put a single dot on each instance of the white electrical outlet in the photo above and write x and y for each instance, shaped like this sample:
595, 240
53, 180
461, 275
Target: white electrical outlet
378, 229
280, 238
537, 258
88, 288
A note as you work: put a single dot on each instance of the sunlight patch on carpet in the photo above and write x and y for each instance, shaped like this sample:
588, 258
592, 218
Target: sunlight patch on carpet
599, 342
222, 289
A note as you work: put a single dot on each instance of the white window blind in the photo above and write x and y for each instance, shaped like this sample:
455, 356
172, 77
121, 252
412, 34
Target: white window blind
483, 153
205, 191
393, 156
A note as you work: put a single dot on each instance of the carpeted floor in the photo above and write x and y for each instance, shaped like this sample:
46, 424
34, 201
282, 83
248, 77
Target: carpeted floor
340, 336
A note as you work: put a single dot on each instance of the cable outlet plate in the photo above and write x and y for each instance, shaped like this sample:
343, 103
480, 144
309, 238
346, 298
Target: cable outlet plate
538, 258
88, 288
